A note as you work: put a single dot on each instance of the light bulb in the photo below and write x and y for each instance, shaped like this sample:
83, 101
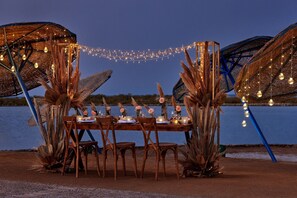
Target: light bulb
245, 106
270, 102
243, 99
281, 76
259, 94
13, 68
243, 123
36, 65
1, 57
45, 49
24, 57
246, 114
291, 81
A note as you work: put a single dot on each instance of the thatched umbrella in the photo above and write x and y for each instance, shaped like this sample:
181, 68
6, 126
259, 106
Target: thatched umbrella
272, 70
25, 55
232, 59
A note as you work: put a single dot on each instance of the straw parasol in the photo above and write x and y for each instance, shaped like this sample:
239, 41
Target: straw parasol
232, 59
271, 73
28, 46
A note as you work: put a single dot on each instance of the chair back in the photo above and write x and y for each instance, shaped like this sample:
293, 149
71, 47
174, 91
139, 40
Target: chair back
71, 133
148, 125
106, 124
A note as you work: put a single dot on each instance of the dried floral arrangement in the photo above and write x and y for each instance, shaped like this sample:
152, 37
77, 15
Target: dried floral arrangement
162, 102
61, 94
107, 107
137, 107
201, 154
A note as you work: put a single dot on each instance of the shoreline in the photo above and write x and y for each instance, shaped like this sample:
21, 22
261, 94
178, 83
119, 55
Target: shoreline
238, 177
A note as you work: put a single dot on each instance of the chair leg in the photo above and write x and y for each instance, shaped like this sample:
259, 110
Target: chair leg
135, 162
65, 159
157, 165
104, 161
96, 149
77, 161
163, 154
176, 162
123, 161
143, 162
115, 164
86, 160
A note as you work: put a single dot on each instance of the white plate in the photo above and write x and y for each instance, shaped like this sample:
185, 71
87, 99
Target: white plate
86, 121
163, 122
126, 121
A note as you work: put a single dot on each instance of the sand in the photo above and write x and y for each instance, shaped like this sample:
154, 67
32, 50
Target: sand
240, 178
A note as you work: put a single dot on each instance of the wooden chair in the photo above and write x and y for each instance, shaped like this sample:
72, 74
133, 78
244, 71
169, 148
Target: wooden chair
106, 125
72, 141
148, 126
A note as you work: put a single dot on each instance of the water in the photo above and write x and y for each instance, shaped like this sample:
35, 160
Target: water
277, 123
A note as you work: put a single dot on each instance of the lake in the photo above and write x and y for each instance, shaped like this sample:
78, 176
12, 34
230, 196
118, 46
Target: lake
277, 123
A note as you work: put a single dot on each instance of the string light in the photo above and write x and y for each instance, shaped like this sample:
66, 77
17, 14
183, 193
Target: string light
291, 80
36, 65
270, 102
243, 123
1, 57
259, 93
134, 56
243, 99
24, 57
45, 49
13, 68
246, 113
245, 106
281, 75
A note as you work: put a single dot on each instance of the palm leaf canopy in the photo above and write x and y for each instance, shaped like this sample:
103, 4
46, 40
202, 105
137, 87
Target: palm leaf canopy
263, 71
28, 44
232, 59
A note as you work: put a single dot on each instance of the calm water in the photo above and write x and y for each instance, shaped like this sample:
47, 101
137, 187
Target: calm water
277, 123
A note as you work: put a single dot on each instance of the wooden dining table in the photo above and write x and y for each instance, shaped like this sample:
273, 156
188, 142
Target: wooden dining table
164, 127
170, 127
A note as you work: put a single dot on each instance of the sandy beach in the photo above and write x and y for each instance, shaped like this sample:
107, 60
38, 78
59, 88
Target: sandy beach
240, 178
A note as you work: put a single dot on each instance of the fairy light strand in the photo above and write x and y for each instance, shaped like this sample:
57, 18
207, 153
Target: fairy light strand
134, 56
291, 80
270, 102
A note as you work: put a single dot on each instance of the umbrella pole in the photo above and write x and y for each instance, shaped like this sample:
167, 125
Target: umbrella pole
21, 82
27, 96
261, 136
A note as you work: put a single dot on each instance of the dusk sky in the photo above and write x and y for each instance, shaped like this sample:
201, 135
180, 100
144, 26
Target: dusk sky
151, 24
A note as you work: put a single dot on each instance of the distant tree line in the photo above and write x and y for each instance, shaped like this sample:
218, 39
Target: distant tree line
13, 101
125, 99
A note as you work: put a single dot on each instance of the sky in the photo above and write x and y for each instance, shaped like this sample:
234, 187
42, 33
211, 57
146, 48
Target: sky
151, 24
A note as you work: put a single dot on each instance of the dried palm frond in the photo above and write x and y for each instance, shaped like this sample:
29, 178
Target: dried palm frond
93, 107
133, 102
160, 90
203, 105
122, 109
61, 94
50, 154
107, 107
173, 102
